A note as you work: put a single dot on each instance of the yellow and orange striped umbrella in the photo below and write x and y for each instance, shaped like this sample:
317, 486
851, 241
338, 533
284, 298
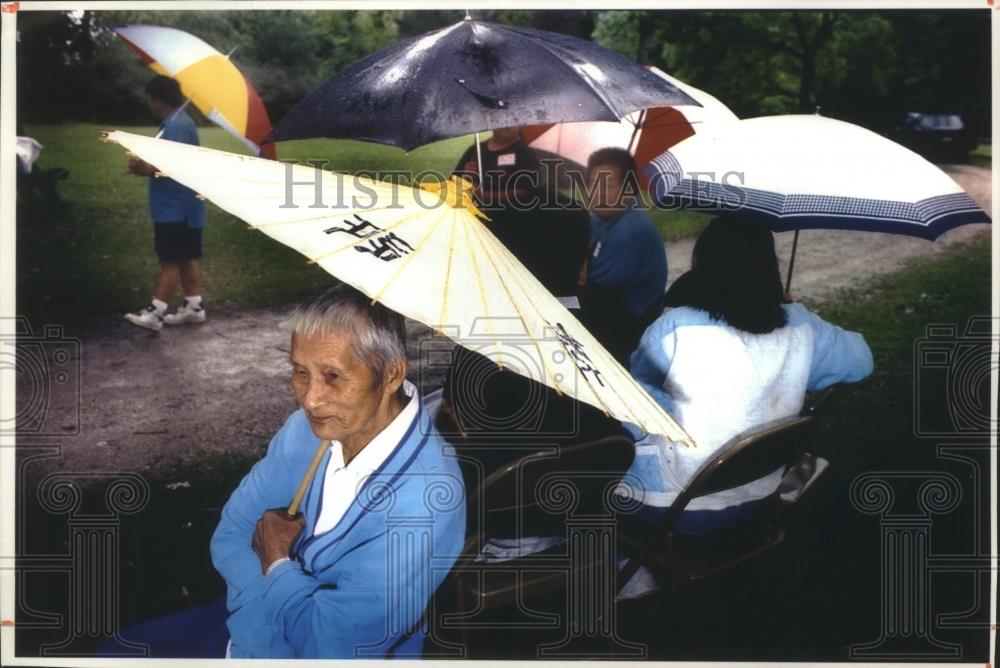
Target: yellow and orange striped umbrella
208, 78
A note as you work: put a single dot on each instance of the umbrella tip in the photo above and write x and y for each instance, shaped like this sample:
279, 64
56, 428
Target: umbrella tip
456, 192
468, 17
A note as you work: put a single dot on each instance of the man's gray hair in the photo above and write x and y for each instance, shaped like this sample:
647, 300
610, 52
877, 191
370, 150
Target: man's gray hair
378, 333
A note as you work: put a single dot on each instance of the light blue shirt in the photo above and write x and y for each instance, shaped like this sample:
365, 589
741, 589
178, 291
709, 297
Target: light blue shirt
169, 201
717, 381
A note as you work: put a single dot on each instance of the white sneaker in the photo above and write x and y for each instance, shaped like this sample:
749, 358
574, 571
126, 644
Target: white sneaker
148, 318
185, 314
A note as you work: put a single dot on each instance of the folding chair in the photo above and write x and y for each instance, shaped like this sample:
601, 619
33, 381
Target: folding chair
683, 560
564, 492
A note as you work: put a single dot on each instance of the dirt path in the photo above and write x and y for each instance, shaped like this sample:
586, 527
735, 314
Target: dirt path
148, 401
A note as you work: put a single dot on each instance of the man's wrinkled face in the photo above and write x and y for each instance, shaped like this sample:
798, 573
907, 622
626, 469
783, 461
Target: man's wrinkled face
604, 189
335, 388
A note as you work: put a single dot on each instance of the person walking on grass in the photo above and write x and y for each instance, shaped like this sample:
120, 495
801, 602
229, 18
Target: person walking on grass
178, 218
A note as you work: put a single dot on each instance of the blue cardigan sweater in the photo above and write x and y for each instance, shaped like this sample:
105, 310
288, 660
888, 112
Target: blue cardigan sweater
358, 589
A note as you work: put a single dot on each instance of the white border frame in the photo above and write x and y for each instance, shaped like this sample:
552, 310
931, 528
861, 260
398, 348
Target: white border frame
8, 304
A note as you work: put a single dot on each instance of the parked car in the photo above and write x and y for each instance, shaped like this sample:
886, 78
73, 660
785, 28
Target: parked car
935, 135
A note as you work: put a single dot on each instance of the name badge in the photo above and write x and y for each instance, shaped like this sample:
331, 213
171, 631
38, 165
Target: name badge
505, 159
570, 302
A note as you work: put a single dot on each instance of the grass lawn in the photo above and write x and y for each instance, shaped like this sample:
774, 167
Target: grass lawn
96, 259
893, 312
673, 225
869, 432
982, 156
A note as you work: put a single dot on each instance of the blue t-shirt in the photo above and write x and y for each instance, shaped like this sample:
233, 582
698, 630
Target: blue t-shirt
169, 201
628, 259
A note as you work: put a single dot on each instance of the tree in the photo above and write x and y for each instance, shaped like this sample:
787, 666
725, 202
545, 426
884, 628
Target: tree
53, 51
863, 66
810, 33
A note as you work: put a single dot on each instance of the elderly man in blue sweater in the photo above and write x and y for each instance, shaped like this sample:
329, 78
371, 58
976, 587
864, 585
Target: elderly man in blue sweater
383, 519
626, 272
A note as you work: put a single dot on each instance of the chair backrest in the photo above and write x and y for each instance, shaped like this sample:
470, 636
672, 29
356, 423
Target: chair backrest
820, 401
748, 456
535, 494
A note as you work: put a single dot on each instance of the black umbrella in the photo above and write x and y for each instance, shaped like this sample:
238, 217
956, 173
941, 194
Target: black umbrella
474, 76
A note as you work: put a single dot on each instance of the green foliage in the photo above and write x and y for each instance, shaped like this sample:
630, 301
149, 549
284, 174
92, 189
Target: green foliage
674, 225
79, 70
862, 66
982, 156
618, 31
866, 67
871, 419
730, 54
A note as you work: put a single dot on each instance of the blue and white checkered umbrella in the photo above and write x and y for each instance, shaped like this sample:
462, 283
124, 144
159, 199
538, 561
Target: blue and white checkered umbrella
805, 172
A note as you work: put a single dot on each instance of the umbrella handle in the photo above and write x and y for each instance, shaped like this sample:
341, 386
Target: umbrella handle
293, 507
479, 163
635, 132
791, 263
180, 108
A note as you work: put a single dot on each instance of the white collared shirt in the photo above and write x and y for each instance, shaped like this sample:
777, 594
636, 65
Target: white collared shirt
341, 483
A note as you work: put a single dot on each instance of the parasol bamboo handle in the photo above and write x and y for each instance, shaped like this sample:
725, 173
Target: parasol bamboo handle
293, 507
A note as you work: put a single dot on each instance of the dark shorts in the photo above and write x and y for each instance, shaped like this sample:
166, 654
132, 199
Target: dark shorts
176, 242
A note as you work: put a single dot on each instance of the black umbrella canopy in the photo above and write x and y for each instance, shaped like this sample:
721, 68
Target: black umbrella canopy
475, 76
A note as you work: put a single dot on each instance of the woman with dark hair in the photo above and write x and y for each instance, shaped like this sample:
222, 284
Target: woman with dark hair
729, 355
735, 276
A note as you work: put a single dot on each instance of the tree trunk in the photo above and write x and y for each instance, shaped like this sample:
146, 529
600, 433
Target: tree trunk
809, 47
646, 31
806, 83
